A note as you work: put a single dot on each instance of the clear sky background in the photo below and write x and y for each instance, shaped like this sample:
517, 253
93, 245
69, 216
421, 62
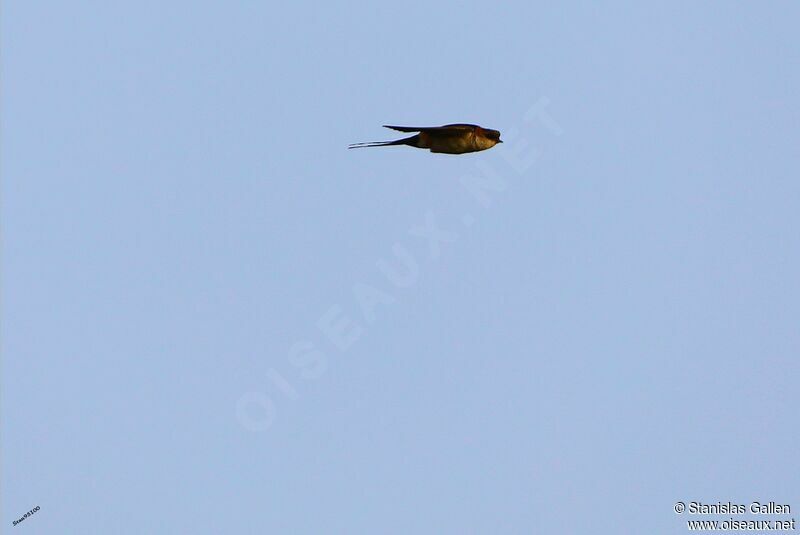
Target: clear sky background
611, 324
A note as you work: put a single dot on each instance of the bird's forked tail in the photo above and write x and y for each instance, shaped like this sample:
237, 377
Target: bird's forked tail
407, 141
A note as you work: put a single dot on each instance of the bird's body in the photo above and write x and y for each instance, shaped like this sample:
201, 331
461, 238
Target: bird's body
447, 139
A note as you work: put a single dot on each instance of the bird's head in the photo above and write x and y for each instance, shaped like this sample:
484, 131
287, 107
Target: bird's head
494, 135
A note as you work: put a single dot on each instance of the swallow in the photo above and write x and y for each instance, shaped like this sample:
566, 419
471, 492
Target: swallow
448, 139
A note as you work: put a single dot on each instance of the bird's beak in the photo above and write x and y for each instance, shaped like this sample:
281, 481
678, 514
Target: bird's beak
499, 140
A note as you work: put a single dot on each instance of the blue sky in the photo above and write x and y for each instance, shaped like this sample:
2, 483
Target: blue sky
218, 319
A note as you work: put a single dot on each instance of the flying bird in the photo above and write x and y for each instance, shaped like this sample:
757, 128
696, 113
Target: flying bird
448, 139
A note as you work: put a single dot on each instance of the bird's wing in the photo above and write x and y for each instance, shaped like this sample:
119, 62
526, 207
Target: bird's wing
448, 129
